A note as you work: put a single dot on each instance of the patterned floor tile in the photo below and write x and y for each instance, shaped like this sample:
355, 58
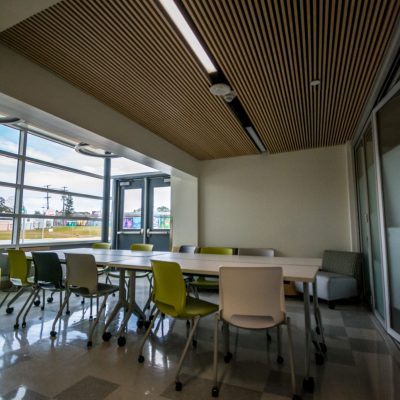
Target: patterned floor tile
23, 393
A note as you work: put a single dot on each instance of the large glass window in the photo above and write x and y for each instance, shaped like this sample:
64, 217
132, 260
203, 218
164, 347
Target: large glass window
6, 227
132, 218
43, 176
8, 169
161, 208
9, 138
50, 151
7, 198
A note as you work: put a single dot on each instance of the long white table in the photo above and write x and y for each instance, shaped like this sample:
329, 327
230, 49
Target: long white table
294, 269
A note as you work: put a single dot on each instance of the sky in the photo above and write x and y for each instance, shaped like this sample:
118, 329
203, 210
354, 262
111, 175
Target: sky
36, 175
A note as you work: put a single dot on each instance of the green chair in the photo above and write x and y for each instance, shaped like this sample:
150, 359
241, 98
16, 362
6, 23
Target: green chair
202, 283
102, 245
20, 279
170, 298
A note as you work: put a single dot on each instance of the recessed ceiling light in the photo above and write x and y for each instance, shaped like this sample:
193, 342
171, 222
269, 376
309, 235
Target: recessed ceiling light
315, 83
220, 89
181, 23
88, 150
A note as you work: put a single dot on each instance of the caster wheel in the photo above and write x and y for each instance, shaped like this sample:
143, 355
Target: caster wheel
140, 323
9, 310
228, 357
269, 338
279, 360
49, 299
23, 324
214, 392
16, 326
53, 334
140, 359
83, 302
319, 359
188, 324
89, 343
91, 317
36, 303
178, 386
42, 308
194, 343
106, 336
67, 312
317, 330
308, 384
324, 349
121, 341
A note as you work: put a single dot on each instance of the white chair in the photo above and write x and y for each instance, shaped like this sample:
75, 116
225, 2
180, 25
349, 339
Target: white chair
82, 279
251, 298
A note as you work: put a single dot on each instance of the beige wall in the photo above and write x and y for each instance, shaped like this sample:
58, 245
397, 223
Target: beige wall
294, 202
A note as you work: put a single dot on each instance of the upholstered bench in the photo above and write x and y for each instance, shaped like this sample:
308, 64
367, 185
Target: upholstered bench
339, 278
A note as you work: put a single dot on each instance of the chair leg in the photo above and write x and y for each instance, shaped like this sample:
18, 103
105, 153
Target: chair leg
16, 296
227, 353
43, 299
291, 357
53, 332
178, 384
279, 358
147, 334
25, 304
5, 298
96, 321
35, 293
214, 391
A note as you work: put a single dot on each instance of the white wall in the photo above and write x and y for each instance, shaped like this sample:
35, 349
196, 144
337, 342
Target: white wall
184, 205
294, 202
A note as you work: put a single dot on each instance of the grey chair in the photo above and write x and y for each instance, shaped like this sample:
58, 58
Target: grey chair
265, 252
82, 279
188, 249
339, 278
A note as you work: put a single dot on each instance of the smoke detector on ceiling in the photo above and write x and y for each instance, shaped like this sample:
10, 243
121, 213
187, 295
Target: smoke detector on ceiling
223, 90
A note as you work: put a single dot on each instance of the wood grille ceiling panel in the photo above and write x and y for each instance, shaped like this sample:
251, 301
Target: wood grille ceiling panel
127, 54
270, 51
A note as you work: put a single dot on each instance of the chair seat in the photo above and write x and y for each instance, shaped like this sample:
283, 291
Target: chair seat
194, 307
102, 289
18, 282
254, 321
332, 286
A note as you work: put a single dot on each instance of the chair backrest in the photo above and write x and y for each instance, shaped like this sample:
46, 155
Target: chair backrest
251, 291
101, 245
18, 267
188, 249
142, 247
169, 292
228, 251
82, 271
342, 262
256, 252
47, 268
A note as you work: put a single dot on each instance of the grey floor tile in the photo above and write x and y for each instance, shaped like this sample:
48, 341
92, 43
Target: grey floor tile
89, 388
279, 383
368, 346
353, 319
340, 356
22, 393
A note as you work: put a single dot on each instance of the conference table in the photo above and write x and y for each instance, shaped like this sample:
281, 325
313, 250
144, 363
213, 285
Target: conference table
294, 269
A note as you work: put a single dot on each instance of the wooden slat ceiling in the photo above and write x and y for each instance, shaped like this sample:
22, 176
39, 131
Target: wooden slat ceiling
127, 54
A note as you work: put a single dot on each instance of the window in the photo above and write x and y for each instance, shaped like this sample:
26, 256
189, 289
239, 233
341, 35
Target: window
9, 138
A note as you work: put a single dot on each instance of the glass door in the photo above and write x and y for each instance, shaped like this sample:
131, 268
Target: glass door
388, 129
375, 237
142, 211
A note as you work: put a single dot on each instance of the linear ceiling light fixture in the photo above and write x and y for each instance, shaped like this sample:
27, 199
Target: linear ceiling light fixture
9, 120
184, 28
256, 139
88, 150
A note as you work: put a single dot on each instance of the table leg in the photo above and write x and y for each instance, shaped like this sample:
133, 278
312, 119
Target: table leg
121, 303
308, 382
133, 308
318, 318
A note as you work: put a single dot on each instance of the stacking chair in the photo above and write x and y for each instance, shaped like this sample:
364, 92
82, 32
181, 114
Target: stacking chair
256, 251
105, 269
188, 249
19, 276
48, 276
82, 279
171, 299
201, 283
251, 298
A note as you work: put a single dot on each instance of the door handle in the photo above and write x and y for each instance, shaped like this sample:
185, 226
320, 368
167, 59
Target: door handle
149, 232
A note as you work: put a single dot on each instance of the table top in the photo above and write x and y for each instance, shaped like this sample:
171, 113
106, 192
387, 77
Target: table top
294, 268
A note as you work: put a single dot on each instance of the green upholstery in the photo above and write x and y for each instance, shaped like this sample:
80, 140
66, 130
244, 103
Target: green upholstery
170, 298
142, 247
227, 251
19, 268
101, 245
342, 262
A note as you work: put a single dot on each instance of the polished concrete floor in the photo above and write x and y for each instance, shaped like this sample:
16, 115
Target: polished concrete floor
360, 363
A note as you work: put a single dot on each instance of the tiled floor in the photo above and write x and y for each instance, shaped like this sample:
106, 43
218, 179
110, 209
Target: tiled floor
358, 364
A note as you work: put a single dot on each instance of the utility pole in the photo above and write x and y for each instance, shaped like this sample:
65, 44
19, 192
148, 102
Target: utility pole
64, 197
47, 197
